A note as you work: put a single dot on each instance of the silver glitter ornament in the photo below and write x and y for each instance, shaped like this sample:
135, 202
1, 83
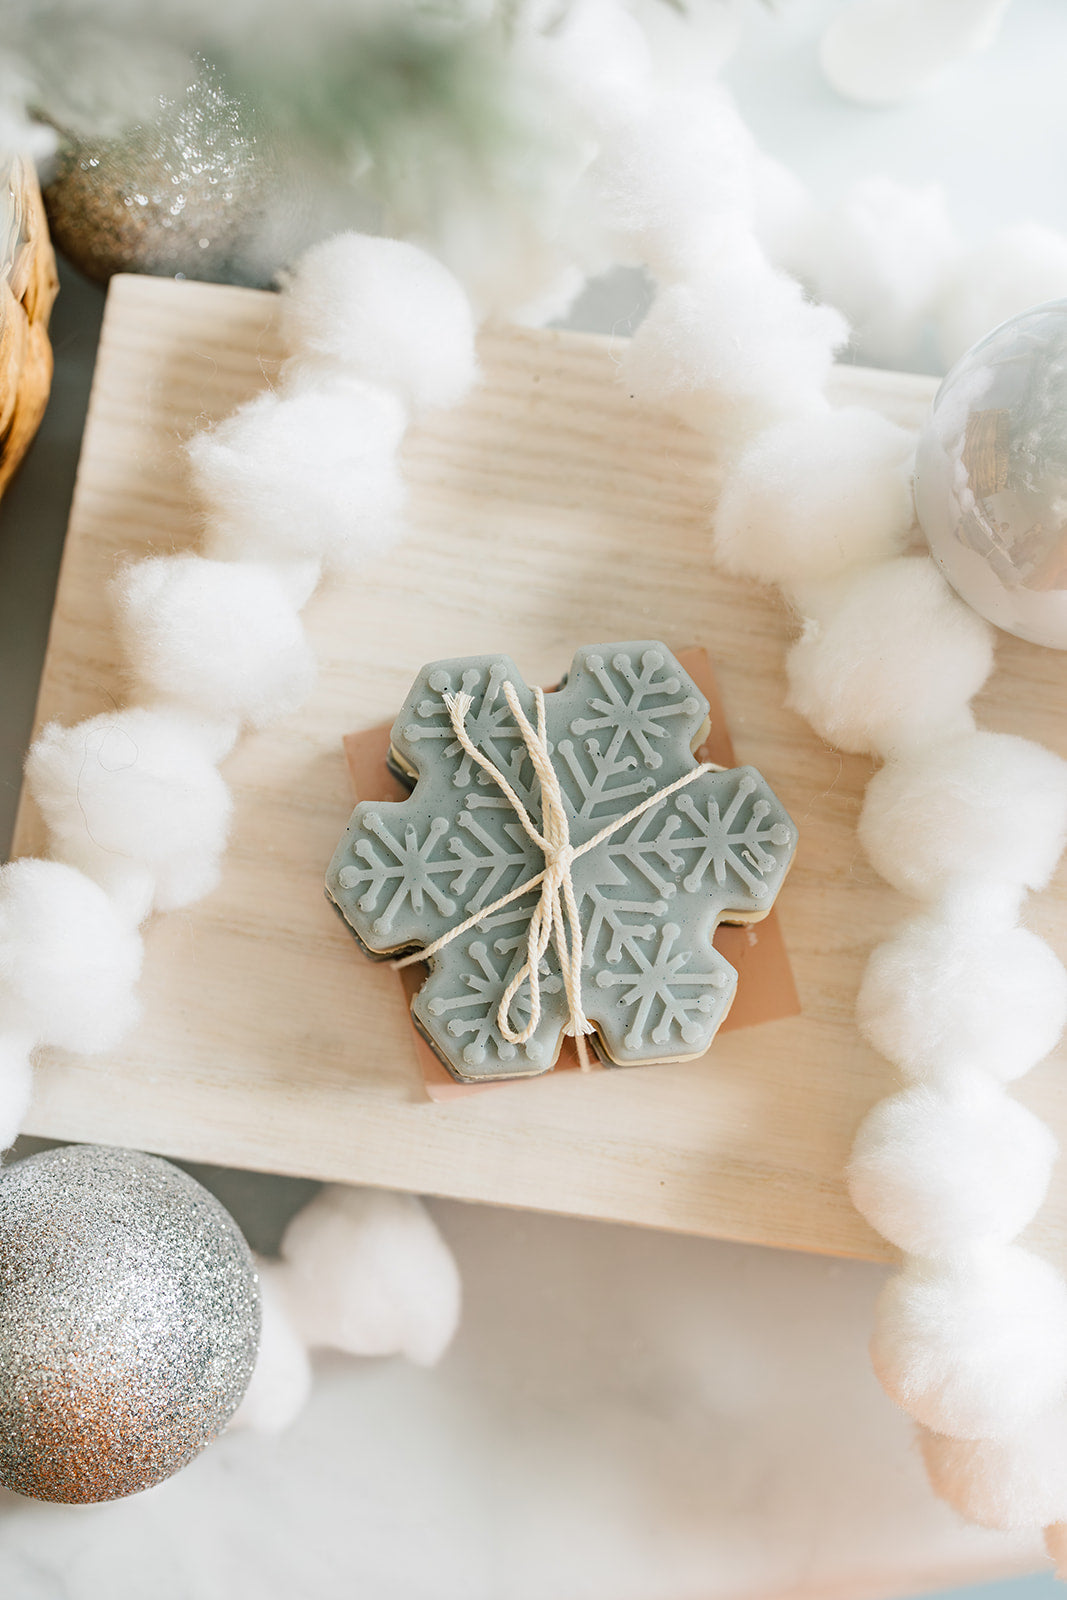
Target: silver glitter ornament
129, 1322
193, 193
991, 476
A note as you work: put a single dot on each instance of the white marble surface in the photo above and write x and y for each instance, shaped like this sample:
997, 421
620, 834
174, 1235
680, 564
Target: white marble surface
625, 1414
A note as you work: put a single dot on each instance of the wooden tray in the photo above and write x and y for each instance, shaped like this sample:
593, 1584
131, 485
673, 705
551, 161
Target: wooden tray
268, 1042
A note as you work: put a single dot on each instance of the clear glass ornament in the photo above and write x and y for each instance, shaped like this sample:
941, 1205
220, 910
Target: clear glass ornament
991, 476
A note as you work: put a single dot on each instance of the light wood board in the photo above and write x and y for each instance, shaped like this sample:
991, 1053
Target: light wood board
549, 512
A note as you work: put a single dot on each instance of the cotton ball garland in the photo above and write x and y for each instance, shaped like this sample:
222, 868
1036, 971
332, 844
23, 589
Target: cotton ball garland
954, 991
594, 53
310, 473
989, 804
387, 312
667, 184
368, 1272
895, 664
16, 1085
782, 209
1019, 267
68, 960
281, 1379
742, 332
882, 257
815, 495
1019, 1481
134, 799
976, 1346
216, 634
936, 1174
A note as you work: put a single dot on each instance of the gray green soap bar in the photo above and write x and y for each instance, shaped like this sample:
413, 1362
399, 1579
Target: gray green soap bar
621, 728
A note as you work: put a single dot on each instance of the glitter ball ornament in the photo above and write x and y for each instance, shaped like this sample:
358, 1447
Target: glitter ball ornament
129, 1322
193, 193
991, 476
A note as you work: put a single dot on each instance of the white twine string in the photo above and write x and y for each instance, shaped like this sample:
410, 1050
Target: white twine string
556, 912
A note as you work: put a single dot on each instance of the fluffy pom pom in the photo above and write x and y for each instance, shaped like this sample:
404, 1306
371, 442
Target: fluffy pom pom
742, 332
975, 1347
281, 1381
16, 1085
782, 211
368, 1272
1018, 268
68, 960
985, 803
218, 635
882, 256
1016, 1482
668, 182
935, 1175
309, 474
894, 665
594, 53
815, 495
387, 312
134, 799
956, 991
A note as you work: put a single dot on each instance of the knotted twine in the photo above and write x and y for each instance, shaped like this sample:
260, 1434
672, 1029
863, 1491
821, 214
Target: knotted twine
556, 913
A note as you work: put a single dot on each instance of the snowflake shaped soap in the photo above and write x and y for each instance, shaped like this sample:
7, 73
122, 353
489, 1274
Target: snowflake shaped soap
671, 849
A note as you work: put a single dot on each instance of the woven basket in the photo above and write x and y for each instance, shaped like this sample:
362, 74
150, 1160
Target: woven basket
28, 287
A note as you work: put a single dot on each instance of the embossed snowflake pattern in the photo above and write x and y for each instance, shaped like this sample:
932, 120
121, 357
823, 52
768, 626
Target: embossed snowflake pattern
622, 727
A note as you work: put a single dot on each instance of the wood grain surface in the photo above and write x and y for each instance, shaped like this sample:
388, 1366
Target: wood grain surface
550, 511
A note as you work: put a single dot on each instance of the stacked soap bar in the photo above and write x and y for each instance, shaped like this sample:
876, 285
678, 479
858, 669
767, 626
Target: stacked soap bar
622, 728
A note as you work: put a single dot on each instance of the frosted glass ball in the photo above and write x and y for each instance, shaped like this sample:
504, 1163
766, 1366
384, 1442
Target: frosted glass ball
991, 476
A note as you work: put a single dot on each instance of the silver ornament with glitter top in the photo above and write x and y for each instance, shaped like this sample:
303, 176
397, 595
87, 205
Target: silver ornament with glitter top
991, 476
129, 1322
194, 192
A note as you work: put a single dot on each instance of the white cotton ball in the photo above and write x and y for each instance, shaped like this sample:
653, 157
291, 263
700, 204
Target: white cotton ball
816, 495
132, 797
935, 1173
973, 1347
882, 256
281, 1379
782, 212
369, 1273
1018, 268
68, 960
958, 991
895, 664
594, 53
667, 185
220, 635
311, 473
16, 1084
740, 333
986, 804
1019, 1481
385, 311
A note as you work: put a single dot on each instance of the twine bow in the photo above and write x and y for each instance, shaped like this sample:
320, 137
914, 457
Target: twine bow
556, 912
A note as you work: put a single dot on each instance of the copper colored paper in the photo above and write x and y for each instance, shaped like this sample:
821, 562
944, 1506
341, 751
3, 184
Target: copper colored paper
765, 990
